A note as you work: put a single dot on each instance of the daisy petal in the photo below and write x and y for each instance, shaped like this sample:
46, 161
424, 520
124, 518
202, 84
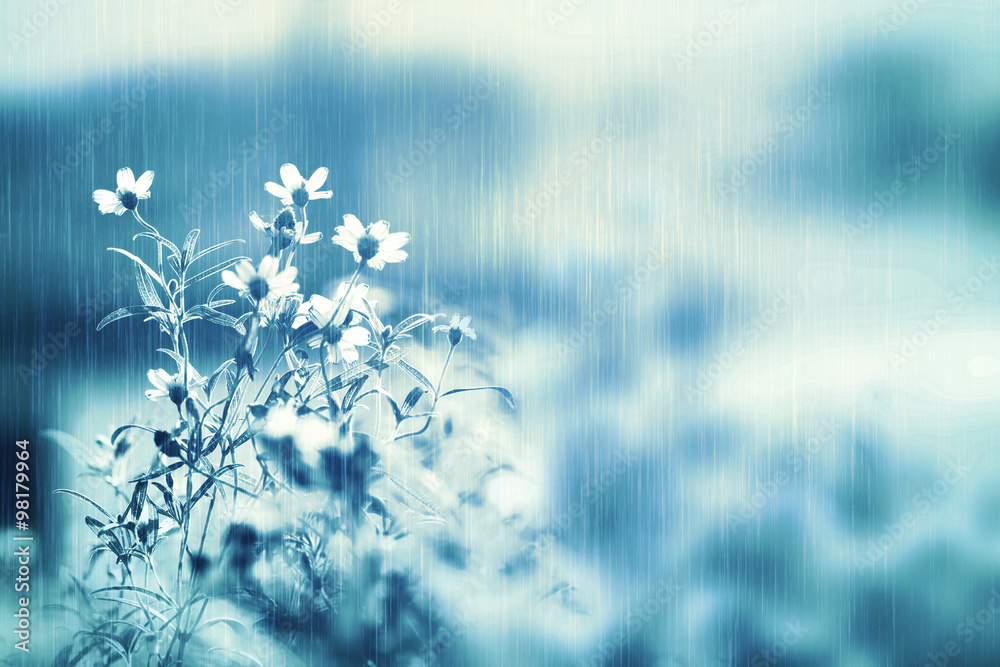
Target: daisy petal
291, 177
325, 194
394, 241
281, 193
465, 322
356, 336
311, 238
230, 279
348, 243
143, 184
354, 226
126, 180
269, 267
257, 222
380, 231
348, 351
317, 180
392, 256
105, 197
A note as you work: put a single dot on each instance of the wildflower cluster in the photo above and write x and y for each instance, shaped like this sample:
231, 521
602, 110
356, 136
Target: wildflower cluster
276, 494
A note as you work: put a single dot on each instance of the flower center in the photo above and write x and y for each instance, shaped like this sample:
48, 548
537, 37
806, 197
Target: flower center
333, 335
285, 219
177, 393
455, 336
258, 288
367, 247
300, 196
129, 200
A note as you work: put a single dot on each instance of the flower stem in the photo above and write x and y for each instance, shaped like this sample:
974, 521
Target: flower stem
437, 397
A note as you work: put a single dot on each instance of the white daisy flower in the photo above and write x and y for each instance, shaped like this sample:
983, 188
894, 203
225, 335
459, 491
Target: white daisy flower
296, 442
343, 338
297, 190
128, 194
172, 386
356, 303
264, 282
375, 246
284, 229
458, 329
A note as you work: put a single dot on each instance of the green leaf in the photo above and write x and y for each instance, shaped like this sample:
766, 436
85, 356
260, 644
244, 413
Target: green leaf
503, 392
122, 429
221, 266
138, 499
189, 245
411, 400
83, 497
158, 239
216, 375
133, 603
152, 274
214, 316
419, 377
234, 623
352, 394
150, 476
218, 246
146, 288
129, 311
372, 364
136, 589
412, 322
392, 403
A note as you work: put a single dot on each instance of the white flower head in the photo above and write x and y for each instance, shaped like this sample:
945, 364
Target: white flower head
319, 309
128, 194
285, 229
374, 246
264, 282
343, 339
172, 386
458, 328
295, 441
297, 190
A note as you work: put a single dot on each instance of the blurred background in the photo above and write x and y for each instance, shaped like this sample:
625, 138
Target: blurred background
741, 254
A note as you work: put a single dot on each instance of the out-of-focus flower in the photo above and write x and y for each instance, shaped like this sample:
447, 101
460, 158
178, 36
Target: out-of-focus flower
343, 338
458, 328
374, 246
128, 194
297, 190
295, 441
263, 282
284, 230
172, 386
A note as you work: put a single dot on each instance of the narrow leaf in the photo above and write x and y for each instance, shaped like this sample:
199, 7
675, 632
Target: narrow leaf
221, 266
189, 245
503, 392
129, 311
218, 246
83, 497
146, 288
152, 274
